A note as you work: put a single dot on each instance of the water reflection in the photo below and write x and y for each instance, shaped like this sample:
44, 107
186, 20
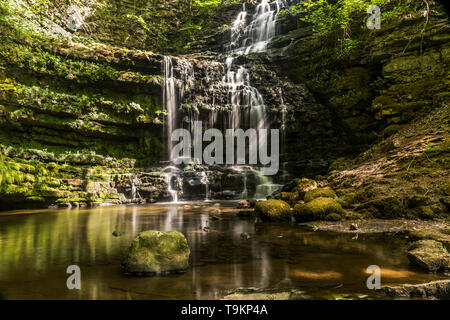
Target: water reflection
36, 249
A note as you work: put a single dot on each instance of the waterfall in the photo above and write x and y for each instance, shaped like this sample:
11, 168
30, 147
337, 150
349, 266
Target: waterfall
170, 172
204, 180
169, 101
247, 38
255, 36
245, 104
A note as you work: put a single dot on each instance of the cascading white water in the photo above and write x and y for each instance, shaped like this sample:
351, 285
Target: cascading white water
170, 172
247, 38
133, 190
170, 102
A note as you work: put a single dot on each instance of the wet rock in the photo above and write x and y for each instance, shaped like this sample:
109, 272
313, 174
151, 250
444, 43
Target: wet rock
157, 252
353, 227
434, 290
273, 210
257, 294
316, 209
429, 255
440, 235
319, 192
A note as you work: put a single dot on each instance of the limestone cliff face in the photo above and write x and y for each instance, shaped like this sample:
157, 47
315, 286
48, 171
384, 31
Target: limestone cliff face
73, 114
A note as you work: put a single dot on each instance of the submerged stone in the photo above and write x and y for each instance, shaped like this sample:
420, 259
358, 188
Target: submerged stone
157, 252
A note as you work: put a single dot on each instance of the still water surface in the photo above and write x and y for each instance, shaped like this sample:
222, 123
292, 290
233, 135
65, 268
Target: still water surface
36, 247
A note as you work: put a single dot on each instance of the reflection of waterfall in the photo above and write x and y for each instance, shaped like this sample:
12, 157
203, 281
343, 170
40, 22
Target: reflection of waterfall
172, 213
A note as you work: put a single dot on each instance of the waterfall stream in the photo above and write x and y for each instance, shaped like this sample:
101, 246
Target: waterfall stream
247, 35
248, 38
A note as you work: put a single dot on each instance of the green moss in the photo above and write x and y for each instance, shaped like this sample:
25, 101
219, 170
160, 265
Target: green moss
319, 192
157, 252
273, 210
317, 209
333, 217
290, 197
383, 207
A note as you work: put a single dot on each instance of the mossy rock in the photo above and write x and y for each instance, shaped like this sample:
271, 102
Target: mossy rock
440, 235
446, 189
273, 210
384, 208
319, 192
304, 185
333, 217
290, 197
317, 209
429, 255
423, 212
156, 252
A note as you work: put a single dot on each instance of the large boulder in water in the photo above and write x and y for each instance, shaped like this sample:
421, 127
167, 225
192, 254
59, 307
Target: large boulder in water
157, 252
273, 210
429, 255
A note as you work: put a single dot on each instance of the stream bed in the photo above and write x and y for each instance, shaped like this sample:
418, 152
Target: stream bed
37, 246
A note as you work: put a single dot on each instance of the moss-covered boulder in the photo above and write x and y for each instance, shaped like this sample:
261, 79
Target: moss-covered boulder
273, 210
383, 207
423, 212
304, 185
319, 192
290, 197
429, 255
317, 209
156, 252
